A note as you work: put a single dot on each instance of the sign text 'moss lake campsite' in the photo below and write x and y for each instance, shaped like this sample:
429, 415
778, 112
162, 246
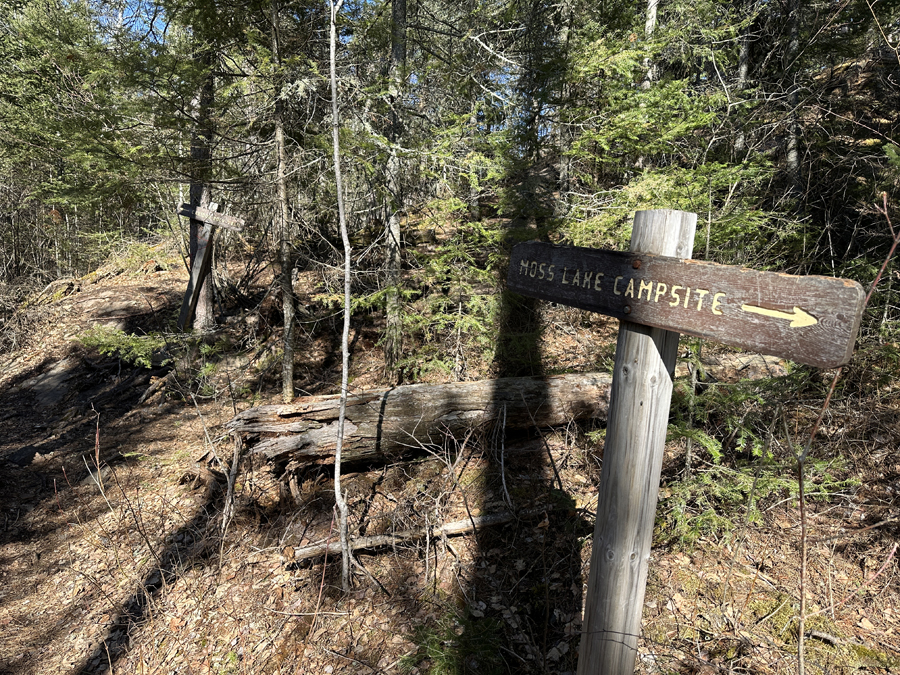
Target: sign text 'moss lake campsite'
808, 319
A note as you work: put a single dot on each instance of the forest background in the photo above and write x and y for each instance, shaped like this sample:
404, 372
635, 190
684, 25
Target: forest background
772, 120
464, 128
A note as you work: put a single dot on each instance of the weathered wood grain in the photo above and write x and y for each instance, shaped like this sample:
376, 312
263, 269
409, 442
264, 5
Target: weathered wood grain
632, 461
211, 217
808, 319
199, 270
388, 422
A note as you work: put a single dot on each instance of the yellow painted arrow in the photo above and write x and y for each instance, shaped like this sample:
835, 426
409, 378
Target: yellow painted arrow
798, 318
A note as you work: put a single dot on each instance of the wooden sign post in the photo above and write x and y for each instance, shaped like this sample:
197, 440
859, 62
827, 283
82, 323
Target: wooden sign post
657, 291
200, 266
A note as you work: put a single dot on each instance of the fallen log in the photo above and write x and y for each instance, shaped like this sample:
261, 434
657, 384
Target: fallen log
385, 423
377, 541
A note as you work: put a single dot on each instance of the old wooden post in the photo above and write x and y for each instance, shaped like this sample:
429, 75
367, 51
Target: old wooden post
656, 290
632, 460
203, 258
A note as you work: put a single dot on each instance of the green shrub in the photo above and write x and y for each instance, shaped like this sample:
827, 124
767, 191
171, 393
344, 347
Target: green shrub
715, 500
135, 349
456, 645
454, 319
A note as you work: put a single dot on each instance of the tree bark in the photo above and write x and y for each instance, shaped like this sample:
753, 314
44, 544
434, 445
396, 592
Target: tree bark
563, 129
650, 26
393, 316
389, 422
792, 149
201, 170
743, 72
281, 213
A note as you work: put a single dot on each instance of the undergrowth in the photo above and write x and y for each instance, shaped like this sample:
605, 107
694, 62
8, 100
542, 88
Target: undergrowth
195, 360
716, 499
731, 431
138, 350
454, 319
456, 645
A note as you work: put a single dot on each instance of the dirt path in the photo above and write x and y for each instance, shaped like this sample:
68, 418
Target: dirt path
126, 569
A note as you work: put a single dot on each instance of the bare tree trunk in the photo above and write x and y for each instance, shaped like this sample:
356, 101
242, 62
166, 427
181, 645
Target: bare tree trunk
740, 141
649, 27
474, 197
281, 214
564, 134
792, 148
393, 343
393, 337
201, 170
345, 338
650, 73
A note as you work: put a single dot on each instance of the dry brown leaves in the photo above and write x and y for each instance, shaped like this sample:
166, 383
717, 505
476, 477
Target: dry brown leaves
135, 574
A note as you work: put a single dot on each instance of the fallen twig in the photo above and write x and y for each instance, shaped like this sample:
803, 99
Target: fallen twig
448, 529
852, 533
864, 584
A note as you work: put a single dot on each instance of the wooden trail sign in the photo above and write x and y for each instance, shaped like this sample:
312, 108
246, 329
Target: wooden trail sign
808, 319
212, 217
658, 292
202, 261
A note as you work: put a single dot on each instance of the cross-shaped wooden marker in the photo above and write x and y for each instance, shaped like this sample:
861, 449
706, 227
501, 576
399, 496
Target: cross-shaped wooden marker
200, 266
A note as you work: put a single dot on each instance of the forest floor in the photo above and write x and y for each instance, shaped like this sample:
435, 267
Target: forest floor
126, 569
